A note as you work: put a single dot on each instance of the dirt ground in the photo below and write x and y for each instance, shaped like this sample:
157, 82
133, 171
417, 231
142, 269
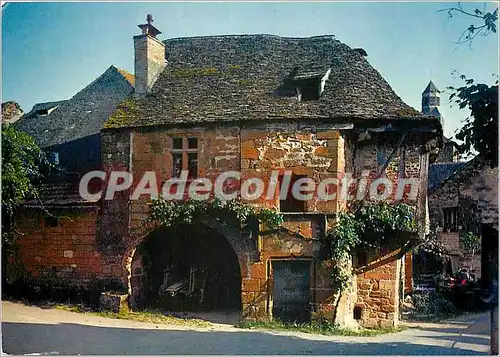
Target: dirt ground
29, 329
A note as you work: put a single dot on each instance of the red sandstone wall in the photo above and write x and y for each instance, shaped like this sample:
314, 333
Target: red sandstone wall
68, 251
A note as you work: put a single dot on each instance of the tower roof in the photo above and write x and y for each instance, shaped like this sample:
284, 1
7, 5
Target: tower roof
431, 87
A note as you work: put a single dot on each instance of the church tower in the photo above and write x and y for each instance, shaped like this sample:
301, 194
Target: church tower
431, 101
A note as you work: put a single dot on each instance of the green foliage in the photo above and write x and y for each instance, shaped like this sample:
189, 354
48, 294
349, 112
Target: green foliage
433, 247
21, 159
470, 241
321, 327
232, 212
432, 305
21, 162
486, 22
480, 130
194, 72
367, 226
123, 115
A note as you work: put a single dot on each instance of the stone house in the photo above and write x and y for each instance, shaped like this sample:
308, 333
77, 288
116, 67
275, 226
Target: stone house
11, 112
462, 198
252, 104
466, 200
69, 129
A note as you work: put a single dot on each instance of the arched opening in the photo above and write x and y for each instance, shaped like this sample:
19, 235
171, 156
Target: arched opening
186, 269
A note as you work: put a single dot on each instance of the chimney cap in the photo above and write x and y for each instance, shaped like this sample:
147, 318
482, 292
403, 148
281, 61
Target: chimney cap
148, 28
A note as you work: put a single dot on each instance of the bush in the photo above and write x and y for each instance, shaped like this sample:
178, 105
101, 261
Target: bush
433, 304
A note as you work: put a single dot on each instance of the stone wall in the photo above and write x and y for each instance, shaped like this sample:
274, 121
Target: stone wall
314, 152
257, 151
378, 295
67, 252
474, 190
378, 286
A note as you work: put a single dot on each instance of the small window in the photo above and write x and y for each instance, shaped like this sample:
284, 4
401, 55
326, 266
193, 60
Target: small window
53, 157
177, 164
177, 143
51, 221
192, 143
290, 203
192, 165
309, 90
357, 313
181, 152
450, 219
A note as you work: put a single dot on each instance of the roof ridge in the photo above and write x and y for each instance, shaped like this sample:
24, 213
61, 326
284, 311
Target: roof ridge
127, 75
264, 35
457, 171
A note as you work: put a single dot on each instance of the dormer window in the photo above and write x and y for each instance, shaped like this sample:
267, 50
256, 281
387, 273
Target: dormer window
309, 90
306, 85
45, 111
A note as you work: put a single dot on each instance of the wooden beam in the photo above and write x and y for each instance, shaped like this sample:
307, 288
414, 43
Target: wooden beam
391, 156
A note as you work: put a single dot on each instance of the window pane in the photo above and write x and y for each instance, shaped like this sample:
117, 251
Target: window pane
177, 143
192, 143
450, 219
193, 165
290, 203
177, 165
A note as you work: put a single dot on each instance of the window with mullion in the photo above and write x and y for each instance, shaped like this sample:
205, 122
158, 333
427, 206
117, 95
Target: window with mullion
185, 156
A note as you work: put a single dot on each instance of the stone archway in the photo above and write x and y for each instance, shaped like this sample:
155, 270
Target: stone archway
230, 254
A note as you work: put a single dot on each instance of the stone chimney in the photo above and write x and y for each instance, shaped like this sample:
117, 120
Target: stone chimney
149, 57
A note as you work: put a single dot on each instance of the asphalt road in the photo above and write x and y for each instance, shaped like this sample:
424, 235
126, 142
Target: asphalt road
28, 330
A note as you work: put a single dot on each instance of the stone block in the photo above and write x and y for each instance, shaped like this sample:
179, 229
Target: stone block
379, 294
388, 308
113, 302
329, 134
322, 152
250, 285
370, 323
273, 154
250, 154
247, 297
258, 271
386, 324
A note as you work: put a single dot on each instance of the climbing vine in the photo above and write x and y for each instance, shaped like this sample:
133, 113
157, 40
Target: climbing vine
232, 212
364, 226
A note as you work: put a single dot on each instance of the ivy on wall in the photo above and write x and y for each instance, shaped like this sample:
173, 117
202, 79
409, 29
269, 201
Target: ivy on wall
364, 226
232, 212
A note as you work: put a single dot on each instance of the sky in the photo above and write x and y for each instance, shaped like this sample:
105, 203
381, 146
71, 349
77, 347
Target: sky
50, 51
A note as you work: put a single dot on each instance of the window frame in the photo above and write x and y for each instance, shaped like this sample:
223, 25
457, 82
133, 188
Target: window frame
185, 151
451, 218
291, 201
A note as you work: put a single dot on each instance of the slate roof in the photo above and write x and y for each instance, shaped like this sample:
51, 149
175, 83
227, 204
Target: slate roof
431, 87
245, 77
438, 173
82, 115
59, 194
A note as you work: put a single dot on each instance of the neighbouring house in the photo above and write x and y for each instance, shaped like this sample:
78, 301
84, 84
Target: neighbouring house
11, 112
462, 199
465, 200
252, 104
69, 130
